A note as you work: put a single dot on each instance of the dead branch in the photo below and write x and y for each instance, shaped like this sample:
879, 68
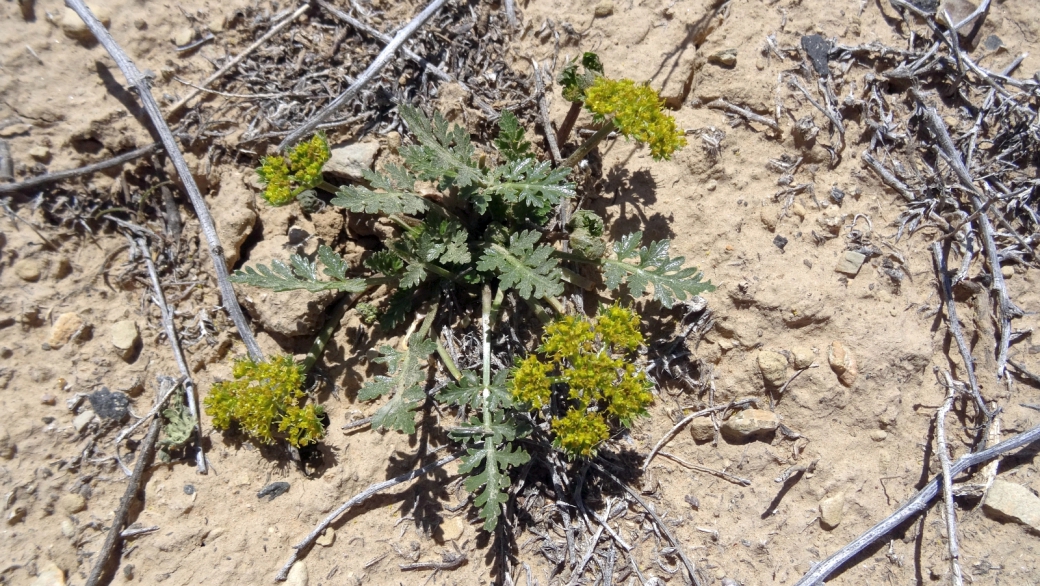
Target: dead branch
947, 481
543, 109
384, 57
721, 104
139, 82
144, 459
706, 470
918, 503
356, 499
42, 180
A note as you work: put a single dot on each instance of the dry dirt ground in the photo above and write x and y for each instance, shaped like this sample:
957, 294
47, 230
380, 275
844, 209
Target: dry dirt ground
870, 440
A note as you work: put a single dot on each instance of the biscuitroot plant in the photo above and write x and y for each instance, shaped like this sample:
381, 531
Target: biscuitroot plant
633, 110
482, 235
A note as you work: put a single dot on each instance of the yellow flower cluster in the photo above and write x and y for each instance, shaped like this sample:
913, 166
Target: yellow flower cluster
636, 112
262, 395
593, 360
303, 169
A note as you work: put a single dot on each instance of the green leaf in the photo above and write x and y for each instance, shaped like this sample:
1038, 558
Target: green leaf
652, 266
530, 182
469, 391
443, 154
397, 195
491, 466
303, 275
404, 384
385, 262
531, 271
510, 142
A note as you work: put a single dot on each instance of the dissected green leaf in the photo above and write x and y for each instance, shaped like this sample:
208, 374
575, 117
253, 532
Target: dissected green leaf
489, 466
469, 391
574, 84
529, 182
385, 262
443, 154
403, 383
397, 195
510, 142
303, 275
652, 266
531, 271
180, 423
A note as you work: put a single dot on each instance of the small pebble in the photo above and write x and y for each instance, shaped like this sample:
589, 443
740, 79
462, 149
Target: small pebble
724, 58
72, 503
74, 27
297, 575
1010, 501
14, 130
693, 501
453, 528
67, 528
64, 328
750, 423
125, 338
28, 270
878, 435
702, 429
7, 446
47, 420
183, 36
712, 185
1007, 271
273, 490
82, 420
327, 538
842, 363
48, 399
16, 515
50, 575
802, 356
109, 405
40, 153
831, 510
604, 9
780, 242
850, 263
189, 489
773, 367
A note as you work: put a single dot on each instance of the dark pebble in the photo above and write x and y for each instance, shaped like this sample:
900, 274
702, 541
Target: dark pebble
780, 242
273, 490
189, 489
109, 405
817, 48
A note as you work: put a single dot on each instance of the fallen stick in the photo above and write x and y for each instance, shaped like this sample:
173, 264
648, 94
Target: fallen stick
129, 495
914, 506
358, 498
84, 170
139, 82
178, 354
721, 104
947, 482
238, 58
543, 110
366, 76
888, 178
706, 470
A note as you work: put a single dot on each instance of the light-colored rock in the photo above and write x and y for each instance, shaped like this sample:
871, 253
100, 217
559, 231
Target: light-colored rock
74, 27
831, 509
82, 420
878, 435
850, 263
1007, 271
183, 36
768, 217
702, 430
50, 575
1009, 501
724, 58
125, 337
842, 363
802, 357
40, 153
799, 210
773, 367
16, 515
326, 539
72, 503
297, 575
217, 25
7, 445
29, 269
64, 327
234, 213
14, 130
604, 9
750, 423
68, 529
351, 160
453, 528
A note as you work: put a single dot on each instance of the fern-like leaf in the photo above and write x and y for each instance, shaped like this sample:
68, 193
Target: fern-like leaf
303, 275
397, 195
404, 383
469, 391
641, 267
530, 182
510, 142
489, 463
531, 271
443, 154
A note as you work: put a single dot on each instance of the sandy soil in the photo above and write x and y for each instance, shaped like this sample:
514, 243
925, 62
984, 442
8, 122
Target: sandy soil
870, 440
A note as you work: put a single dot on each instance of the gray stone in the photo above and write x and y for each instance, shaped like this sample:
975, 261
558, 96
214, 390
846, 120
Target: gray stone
125, 338
109, 405
773, 367
724, 58
82, 420
850, 263
1007, 501
350, 161
831, 509
750, 423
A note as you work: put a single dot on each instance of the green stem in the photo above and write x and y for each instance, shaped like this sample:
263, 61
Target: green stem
575, 279
327, 187
589, 144
331, 323
448, 362
439, 271
485, 348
